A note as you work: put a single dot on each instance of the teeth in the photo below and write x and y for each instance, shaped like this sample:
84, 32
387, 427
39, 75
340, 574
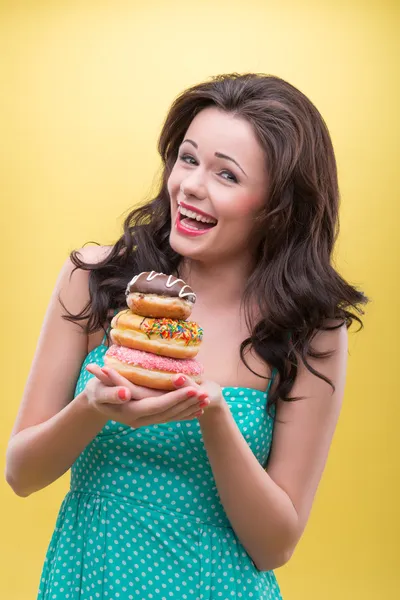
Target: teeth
193, 215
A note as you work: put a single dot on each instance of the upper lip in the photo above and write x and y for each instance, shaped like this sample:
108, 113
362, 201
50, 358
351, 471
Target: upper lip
196, 210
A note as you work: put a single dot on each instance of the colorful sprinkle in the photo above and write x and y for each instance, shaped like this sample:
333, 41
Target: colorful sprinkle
188, 331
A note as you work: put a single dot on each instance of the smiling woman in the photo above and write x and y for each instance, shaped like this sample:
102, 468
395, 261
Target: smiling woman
202, 491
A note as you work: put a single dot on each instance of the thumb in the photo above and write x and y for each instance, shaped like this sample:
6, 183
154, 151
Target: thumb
181, 381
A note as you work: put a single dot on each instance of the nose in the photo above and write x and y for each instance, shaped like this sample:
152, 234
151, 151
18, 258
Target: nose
193, 186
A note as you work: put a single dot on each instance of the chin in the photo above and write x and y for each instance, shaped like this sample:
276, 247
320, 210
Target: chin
186, 248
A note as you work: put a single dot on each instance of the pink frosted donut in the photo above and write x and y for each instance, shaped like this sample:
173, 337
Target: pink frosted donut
150, 370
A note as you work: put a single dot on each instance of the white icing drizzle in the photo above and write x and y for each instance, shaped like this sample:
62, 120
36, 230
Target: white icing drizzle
182, 294
171, 281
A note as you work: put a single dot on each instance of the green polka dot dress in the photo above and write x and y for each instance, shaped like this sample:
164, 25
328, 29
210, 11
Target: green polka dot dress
143, 519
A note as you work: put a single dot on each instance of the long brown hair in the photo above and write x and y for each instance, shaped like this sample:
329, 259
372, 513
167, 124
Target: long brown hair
295, 284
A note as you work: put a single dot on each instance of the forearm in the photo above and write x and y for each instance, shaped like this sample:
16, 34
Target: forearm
261, 513
39, 455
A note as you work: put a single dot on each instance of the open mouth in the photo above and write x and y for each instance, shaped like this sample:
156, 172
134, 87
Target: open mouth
193, 220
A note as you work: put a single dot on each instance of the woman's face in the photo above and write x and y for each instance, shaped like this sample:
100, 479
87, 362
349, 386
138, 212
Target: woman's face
217, 187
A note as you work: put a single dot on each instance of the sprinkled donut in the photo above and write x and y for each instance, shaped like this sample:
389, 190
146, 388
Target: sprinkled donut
164, 337
152, 294
150, 370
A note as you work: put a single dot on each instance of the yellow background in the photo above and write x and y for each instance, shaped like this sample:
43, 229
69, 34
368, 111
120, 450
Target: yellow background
85, 88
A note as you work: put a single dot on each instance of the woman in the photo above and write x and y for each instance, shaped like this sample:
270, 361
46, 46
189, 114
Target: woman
203, 491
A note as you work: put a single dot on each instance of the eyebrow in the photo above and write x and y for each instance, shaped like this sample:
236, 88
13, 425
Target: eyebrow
217, 154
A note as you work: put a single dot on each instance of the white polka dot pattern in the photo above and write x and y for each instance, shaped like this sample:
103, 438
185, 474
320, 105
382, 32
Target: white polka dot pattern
143, 519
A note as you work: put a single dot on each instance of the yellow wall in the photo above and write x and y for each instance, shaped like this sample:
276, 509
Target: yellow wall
86, 86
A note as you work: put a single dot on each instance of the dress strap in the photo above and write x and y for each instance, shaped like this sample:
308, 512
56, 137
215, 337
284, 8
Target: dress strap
273, 375
274, 372
103, 342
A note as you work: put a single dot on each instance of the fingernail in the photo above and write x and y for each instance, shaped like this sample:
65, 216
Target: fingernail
191, 393
198, 414
203, 404
203, 397
180, 381
122, 394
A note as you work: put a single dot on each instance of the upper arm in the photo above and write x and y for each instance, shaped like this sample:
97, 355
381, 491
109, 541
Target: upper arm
61, 348
302, 439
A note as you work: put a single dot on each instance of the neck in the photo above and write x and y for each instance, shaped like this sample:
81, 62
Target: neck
209, 280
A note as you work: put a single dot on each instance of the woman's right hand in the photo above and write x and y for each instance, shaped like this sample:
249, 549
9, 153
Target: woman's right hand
133, 406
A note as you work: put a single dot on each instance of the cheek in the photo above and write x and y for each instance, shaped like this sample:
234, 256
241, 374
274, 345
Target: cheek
173, 184
244, 205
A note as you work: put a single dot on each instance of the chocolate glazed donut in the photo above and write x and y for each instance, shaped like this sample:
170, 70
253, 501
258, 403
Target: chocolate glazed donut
156, 295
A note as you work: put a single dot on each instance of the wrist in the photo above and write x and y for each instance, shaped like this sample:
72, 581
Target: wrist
87, 410
214, 412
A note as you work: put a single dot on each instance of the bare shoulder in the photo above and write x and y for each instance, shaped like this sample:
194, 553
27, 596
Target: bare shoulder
94, 254
62, 344
304, 428
72, 286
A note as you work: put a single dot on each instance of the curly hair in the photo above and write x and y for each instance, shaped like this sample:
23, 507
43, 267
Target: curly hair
296, 287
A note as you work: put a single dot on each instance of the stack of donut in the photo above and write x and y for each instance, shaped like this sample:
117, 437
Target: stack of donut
152, 340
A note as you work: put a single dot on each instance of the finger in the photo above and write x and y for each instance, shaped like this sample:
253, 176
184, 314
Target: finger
189, 417
193, 404
183, 381
98, 372
180, 381
190, 412
138, 392
161, 404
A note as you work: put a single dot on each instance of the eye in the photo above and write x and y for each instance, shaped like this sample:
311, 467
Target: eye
190, 160
186, 158
233, 177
